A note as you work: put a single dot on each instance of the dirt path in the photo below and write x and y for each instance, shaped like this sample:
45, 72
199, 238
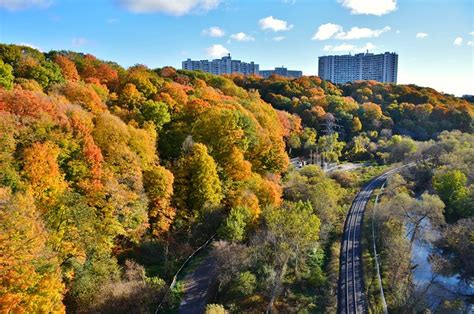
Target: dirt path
196, 287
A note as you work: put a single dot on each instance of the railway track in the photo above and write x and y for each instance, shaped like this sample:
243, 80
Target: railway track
351, 293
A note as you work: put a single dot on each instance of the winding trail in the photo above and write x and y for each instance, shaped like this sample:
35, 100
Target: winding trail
197, 286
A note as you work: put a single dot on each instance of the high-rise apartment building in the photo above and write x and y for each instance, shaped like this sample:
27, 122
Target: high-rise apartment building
362, 66
225, 65
282, 72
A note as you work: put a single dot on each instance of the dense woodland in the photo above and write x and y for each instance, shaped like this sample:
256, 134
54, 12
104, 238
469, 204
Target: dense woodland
111, 177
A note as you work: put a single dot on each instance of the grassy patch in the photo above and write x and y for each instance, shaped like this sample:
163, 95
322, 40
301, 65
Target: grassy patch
372, 287
366, 174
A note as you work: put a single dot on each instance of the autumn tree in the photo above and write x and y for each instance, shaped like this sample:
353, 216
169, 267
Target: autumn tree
130, 97
126, 150
356, 125
68, 68
42, 171
145, 80
30, 279
197, 185
222, 132
44, 72
158, 183
84, 95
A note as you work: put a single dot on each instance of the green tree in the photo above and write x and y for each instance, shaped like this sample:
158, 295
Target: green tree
415, 212
308, 138
330, 147
155, 111
294, 142
235, 225
309, 184
6, 75
290, 231
451, 188
359, 145
400, 148
245, 284
44, 72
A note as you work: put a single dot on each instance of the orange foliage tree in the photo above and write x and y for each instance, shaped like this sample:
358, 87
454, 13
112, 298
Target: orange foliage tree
42, 171
67, 67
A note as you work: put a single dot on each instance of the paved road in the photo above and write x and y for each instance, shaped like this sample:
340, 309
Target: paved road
351, 296
197, 285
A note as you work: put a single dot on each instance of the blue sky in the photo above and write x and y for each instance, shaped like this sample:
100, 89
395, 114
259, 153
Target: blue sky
434, 38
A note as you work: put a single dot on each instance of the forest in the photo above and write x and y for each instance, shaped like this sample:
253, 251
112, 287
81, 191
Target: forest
111, 177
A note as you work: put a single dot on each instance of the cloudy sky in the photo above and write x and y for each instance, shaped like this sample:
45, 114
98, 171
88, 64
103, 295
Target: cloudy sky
434, 38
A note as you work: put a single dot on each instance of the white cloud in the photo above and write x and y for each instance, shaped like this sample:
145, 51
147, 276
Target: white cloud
358, 33
470, 43
349, 48
375, 7
458, 41
14, 5
278, 38
241, 36
79, 41
398, 31
174, 7
274, 24
326, 31
471, 33
213, 31
289, 1
421, 35
330, 30
217, 51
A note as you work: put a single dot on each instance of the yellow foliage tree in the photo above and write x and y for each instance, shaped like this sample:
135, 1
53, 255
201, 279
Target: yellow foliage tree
30, 279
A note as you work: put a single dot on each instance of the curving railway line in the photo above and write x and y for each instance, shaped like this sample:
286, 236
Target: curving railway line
351, 294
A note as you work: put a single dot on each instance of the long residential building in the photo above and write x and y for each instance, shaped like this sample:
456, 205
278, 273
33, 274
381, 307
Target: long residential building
282, 71
362, 66
225, 65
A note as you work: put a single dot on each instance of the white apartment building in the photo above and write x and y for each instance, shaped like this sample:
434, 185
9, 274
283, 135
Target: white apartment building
363, 66
282, 71
225, 65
